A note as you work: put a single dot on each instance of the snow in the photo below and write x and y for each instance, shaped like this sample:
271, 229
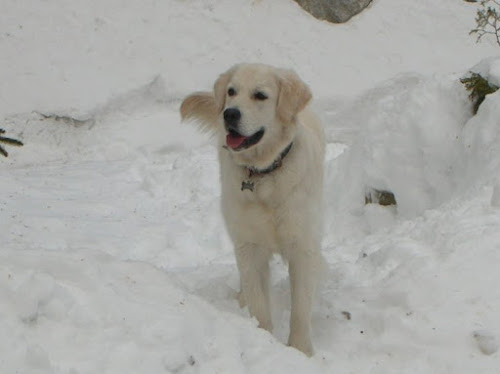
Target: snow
114, 257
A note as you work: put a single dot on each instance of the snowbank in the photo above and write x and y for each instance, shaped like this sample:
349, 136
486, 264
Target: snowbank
68, 58
407, 142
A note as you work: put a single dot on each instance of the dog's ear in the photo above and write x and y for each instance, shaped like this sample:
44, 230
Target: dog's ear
293, 96
200, 106
220, 87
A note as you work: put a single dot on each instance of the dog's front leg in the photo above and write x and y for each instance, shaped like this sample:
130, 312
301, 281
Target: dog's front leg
303, 270
253, 265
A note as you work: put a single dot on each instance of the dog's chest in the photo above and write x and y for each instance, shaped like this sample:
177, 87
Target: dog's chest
256, 188
262, 189
241, 185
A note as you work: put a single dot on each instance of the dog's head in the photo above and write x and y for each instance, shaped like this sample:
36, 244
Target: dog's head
256, 102
255, 108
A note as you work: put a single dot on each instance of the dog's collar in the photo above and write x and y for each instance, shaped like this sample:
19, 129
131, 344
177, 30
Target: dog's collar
276, 164
252, 171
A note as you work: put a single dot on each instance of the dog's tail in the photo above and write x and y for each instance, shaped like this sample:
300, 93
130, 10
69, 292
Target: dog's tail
200, 107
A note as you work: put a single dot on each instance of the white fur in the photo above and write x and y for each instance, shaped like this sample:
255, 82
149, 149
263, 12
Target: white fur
283, 213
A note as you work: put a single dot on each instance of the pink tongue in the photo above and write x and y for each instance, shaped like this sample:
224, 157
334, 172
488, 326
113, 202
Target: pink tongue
234, 141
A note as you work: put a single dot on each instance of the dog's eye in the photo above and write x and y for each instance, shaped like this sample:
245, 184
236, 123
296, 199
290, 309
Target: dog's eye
231, 92
260, 96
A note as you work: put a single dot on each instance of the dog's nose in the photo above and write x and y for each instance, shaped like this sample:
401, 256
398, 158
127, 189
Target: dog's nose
232, 117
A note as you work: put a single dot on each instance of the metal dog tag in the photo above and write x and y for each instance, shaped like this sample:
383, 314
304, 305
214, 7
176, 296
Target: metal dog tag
247, 185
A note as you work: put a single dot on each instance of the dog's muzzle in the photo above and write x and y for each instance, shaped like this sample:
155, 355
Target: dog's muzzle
232, 117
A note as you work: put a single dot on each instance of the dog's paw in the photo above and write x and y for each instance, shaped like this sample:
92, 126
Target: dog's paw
301, 343
241, 299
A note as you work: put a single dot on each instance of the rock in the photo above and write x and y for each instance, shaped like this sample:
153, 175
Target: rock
374, 196
336, 11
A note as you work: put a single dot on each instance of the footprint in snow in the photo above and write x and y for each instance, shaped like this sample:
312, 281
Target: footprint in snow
486, 342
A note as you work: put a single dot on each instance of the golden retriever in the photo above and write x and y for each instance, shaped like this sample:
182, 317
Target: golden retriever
271, 152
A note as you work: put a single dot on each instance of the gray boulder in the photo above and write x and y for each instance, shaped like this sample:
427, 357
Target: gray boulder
336, 11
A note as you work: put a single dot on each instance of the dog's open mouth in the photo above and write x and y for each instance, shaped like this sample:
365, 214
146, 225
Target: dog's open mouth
236, 141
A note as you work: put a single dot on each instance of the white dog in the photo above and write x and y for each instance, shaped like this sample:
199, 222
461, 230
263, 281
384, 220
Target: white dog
271, 162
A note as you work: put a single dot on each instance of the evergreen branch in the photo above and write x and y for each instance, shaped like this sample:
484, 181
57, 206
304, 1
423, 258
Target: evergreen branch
488, 20
11, 141
8, 141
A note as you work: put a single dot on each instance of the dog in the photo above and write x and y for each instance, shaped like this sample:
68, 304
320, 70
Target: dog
271, 152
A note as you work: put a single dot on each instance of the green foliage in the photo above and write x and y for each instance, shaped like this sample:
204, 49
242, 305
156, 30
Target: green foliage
9, 141
478, 88
488, 20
